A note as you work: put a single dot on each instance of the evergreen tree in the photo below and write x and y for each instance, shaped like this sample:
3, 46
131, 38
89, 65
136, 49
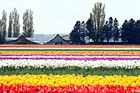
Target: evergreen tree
124, 35
89, 26
10, 26
116, 32
28, 29
137, 32
82, 32
74, 35
130, 31
127, 31
110, 28
106, 33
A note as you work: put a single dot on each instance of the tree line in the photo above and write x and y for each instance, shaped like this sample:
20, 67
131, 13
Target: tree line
14, 25
98, 31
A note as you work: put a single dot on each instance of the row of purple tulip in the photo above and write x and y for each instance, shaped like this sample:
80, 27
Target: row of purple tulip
86, 59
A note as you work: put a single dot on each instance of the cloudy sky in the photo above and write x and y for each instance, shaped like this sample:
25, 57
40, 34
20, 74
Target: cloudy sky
59, 16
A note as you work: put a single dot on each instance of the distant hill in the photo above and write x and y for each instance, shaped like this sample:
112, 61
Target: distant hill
45, 37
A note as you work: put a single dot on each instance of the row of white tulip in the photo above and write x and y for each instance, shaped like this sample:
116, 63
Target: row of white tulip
127, 64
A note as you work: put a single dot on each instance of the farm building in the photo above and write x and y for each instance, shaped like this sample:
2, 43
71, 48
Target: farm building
20, 40
58, 40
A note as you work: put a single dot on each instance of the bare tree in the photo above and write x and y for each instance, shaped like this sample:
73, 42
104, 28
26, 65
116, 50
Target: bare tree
28, 29
98, 18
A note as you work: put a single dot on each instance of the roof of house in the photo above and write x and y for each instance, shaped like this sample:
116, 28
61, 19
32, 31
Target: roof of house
56, 37
21, 40
14, 38
66, 37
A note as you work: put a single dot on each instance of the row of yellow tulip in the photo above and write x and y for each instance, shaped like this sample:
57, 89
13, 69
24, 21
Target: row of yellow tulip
74, 52
57, 80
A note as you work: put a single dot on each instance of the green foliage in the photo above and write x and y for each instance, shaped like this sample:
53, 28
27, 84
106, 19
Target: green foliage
65, 70
1, 32
10, 26
137, 31
82, 33
4, 19
90, 32
92, 29
130, 32
98, 17
106, 31
3, 28
28, 29
79, 33
74, 35
111, 30
110, 24
16, 25
116, 32
124, 31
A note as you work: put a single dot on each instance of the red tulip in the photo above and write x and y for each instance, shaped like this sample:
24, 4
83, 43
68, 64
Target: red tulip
65, 89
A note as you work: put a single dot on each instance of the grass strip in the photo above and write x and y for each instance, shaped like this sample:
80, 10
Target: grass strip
64, 70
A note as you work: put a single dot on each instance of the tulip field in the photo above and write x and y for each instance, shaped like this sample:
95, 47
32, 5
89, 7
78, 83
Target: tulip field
69, 68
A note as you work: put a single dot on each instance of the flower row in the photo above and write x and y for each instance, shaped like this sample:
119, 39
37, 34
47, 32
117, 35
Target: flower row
66, 55
70, 56
69, 46
127, 64
63, 80
68, 89
69, 59
72, 52
70, 49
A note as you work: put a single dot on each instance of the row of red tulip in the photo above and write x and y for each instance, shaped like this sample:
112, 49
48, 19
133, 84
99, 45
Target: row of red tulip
68, 89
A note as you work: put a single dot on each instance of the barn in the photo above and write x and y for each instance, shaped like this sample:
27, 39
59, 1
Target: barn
20, 40
57, 40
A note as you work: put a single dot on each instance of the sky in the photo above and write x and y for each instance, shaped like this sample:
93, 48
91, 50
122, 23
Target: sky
60, 16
